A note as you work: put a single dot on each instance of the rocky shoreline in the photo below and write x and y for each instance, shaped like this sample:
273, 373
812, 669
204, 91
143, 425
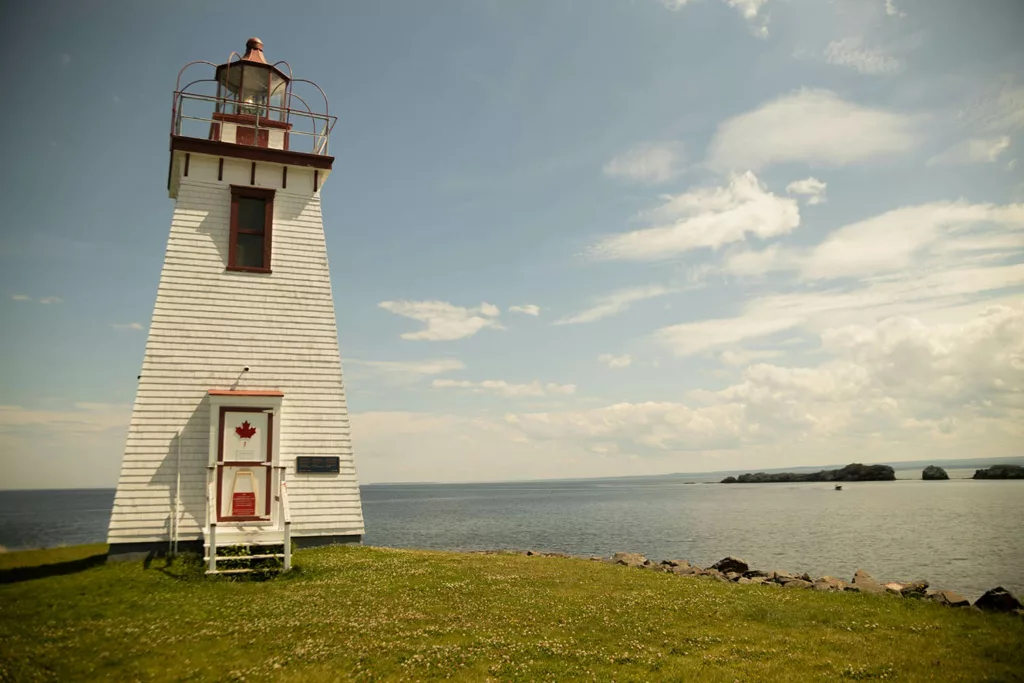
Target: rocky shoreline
736, 570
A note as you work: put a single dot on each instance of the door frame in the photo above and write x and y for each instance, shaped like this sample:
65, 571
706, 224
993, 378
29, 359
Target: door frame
267, 464
226, 400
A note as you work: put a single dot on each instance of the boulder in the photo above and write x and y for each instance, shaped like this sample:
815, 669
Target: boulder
685, 571
743, 580
893, 588
733, 576
754, 573
829, 583
780, 577
865, 583
998, 600
948, 598
731, 564
630, 559
714, 574
675, 563
933, 473
914, 589
797, 583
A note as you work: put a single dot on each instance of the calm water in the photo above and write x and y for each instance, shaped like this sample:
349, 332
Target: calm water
959, 534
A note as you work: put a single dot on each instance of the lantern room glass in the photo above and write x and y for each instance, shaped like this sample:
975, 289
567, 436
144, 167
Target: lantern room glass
247, 88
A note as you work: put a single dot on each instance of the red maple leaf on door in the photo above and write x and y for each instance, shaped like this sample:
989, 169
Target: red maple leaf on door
245, 430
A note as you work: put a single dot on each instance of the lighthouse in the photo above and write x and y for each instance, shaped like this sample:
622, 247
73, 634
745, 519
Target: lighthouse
239, 433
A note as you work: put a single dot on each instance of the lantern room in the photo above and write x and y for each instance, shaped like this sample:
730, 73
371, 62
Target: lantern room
251, 101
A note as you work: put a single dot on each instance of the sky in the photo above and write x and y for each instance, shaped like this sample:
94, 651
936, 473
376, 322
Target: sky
568, 238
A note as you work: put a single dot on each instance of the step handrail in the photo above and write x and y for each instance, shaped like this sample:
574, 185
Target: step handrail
286, 518
211, 514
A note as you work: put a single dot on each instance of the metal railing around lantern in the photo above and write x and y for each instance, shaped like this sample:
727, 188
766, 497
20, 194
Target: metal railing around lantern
193, 115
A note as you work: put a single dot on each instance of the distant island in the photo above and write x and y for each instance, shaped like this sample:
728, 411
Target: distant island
933, 473
852, 472
1000, 472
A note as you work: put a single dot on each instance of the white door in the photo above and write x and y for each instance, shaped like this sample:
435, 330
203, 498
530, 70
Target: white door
244, 464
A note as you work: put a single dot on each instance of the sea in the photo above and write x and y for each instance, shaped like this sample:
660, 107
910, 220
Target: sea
962, 534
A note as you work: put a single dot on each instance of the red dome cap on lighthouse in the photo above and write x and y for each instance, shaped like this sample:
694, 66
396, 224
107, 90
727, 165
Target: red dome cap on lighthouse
254, 51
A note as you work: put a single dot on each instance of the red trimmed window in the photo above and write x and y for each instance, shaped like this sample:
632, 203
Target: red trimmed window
252, 214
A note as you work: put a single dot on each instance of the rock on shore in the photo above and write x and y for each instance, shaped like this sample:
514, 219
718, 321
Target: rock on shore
735, 570
998, 600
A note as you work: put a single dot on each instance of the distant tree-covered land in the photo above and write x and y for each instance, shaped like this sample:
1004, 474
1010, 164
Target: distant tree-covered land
852, 472
1000, 472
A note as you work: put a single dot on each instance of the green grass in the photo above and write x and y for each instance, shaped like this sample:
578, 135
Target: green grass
38, 558
375, 614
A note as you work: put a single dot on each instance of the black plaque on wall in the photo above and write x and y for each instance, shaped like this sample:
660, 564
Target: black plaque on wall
308, 464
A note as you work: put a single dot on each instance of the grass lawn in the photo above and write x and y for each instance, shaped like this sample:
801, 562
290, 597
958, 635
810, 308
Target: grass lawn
41, 558
376, 614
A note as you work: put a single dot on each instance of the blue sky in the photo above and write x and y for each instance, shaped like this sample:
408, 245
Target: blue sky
739, 233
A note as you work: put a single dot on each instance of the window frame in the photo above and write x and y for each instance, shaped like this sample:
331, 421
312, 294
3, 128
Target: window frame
267, 195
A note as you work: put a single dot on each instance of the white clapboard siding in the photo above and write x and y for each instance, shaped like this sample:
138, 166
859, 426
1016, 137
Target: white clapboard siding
209, 323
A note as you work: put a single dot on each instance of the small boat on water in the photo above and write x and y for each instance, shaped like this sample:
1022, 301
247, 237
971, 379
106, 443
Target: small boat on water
839, 487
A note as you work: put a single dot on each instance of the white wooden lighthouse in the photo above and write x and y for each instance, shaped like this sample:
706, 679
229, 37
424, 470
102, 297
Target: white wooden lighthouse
240, 432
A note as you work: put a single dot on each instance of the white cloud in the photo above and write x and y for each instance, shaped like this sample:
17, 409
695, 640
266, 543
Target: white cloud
92, 431
810, 126
882, 378
748, 9
128, 326
687, 339
506, 389
614, 303
527, 309
444, 321
409, 446
652, 425
851, 53
616, 362
891, 9
906, 294
899, 388
45, 300
998, 109
973, 151
648, 163
408, 371
745, 357
704, 218
813, 188
894, 241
